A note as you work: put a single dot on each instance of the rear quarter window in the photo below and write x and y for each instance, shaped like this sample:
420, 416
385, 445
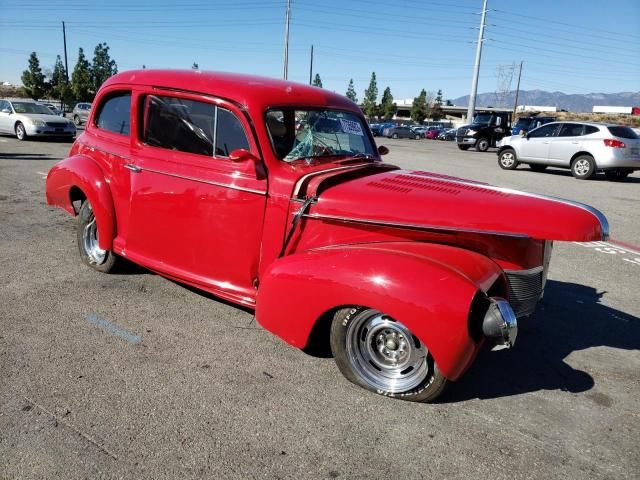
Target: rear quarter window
115, 112
589, 129
623, 132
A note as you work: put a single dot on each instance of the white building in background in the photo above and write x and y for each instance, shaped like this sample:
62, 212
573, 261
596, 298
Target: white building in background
607, 109
536, 108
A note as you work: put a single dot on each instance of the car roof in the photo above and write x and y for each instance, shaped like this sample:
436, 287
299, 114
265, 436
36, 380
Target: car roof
248, 90
14, 99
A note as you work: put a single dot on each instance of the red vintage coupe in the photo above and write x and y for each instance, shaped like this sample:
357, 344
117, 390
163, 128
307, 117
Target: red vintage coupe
273, 195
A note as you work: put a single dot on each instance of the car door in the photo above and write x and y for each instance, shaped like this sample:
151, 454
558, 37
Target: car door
5, 117
535, 145
195, 214
567, 143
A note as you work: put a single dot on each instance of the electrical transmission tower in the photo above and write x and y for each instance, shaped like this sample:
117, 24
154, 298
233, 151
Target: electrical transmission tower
504, 75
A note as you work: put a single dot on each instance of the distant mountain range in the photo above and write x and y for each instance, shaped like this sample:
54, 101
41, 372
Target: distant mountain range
570, 102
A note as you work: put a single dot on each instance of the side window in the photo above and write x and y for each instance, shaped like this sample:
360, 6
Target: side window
544, 131
570, 130
589, 129
114, 113
3, 105
179, 124
230, 134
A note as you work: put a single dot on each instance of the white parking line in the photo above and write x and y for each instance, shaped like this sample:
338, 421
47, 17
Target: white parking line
42, 174
628, 255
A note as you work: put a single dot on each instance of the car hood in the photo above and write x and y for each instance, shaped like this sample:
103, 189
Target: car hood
41, 116
422, 200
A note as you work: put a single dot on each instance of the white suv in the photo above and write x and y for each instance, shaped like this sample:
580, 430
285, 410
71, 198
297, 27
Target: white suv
583, 147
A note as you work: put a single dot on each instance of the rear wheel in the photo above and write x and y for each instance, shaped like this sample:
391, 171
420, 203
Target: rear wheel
616, 175
536, 167
87, 238
507, 160
21, 132
77, 120
395, 135
417, 137
483, 144
583, 167
382, 355
463, 147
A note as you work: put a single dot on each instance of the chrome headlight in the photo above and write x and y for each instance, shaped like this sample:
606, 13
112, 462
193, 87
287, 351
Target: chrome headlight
36, 123
471, 132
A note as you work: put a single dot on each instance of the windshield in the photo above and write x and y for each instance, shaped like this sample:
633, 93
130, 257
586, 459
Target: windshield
482, 118
310, 134
29, 107
523, 122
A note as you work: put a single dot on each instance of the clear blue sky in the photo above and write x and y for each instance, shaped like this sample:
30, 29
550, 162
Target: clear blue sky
571, 46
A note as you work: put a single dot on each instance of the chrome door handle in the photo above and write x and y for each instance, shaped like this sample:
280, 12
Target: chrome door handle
133, 168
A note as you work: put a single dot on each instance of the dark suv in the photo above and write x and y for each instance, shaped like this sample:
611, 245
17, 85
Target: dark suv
403, 132
526, 124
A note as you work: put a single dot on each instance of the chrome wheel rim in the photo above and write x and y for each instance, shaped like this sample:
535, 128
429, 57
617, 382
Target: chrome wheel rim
20, 132
385, 354
95, 254
483, 145
507, 159
582, 167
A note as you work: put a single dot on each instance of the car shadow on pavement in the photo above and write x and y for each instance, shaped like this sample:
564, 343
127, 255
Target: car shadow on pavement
26, 156
598, 177
569, 318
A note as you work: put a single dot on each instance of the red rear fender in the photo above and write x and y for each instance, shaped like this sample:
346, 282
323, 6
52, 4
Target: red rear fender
427, 287
83, 173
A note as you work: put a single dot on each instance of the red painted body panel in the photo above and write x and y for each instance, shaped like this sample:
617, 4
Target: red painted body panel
82, 172
427, 287
415, 245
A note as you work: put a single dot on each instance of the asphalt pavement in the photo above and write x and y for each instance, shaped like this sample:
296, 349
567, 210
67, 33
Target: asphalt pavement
135, 376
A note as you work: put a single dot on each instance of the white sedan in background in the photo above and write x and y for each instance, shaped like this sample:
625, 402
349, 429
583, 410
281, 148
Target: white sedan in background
25, 118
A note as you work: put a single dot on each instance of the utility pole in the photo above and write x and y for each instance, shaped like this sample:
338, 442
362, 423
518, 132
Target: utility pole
66, 63
476, 68
515, 105
311, 67
285, 70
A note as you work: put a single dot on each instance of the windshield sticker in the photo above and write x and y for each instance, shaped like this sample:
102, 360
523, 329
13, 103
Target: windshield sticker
349, 126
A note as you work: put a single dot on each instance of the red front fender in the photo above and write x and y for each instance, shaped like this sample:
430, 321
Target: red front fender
82, 172
427, 287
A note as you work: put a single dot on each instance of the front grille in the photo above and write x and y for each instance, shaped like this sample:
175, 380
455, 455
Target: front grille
461, 132
525, 289
56, 124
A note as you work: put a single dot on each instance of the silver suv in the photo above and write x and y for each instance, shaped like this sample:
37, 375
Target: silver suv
583, 147
81, 113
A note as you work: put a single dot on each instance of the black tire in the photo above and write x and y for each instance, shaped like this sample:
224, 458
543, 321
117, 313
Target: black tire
537, 167
507, 159
583, 167
424, 382
395, 135
616, 175
21, 132
483, 144
77, 120
463, 147
85, 235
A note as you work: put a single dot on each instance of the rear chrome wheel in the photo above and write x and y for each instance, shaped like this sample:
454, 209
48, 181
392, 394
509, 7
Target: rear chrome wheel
87, 237
381, 354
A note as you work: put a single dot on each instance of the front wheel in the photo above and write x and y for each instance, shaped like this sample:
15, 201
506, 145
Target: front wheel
463, 147
583, 167
87, 237
382, 355
395, 135
77, 120
483, 144
507, 160
417, 137
21, 132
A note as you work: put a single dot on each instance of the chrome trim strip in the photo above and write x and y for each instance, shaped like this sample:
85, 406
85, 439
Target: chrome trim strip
409, 225
530, 271
208, 182
604, 223
137, 169
296, 190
